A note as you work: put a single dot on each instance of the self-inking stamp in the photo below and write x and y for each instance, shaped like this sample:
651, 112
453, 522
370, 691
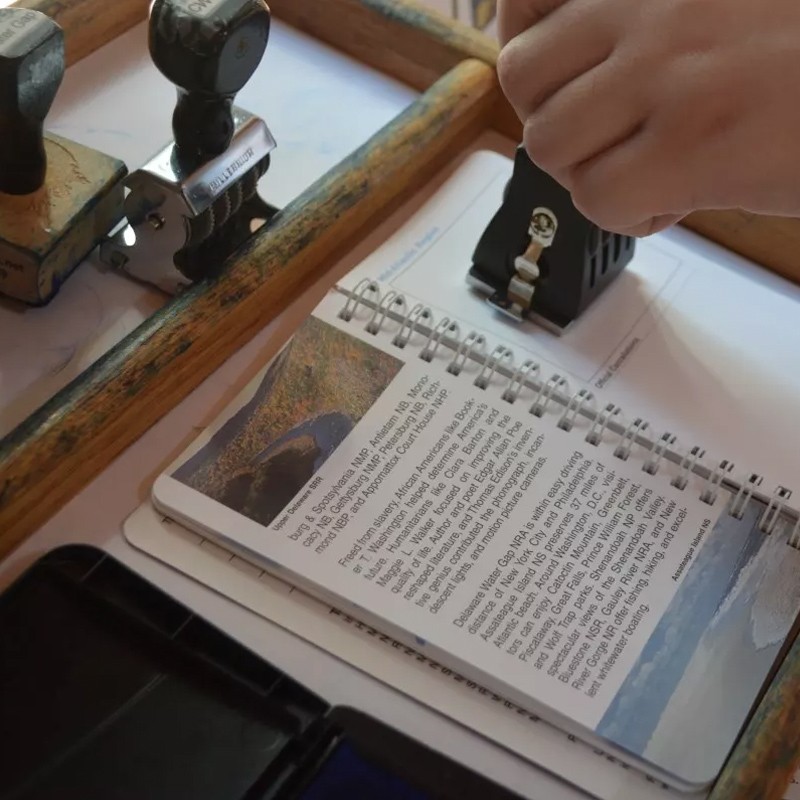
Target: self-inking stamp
197, 200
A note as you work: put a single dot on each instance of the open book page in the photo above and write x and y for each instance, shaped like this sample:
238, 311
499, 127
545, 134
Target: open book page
693, 339
614, 605
590, 771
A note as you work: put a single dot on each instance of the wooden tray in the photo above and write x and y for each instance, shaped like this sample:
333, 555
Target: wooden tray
74, 436
69, 440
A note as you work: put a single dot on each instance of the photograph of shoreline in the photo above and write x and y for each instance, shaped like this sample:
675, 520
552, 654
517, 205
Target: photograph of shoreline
689, 693
310, 398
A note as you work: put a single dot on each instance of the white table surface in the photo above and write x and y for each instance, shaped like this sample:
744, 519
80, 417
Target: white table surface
313, 123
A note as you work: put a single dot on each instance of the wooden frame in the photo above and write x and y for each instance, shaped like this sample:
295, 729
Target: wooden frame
72, 438
89, 24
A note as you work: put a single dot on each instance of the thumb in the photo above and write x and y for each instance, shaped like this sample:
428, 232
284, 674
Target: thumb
516, 16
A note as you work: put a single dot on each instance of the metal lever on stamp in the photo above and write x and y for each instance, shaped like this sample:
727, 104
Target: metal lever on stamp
197, 200
540, 258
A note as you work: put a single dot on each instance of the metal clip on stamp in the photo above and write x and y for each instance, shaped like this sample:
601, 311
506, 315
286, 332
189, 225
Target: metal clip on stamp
540, 258
197, 200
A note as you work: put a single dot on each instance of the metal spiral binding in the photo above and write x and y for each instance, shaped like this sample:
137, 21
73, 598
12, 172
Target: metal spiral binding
744, 495
575, 406
660, 447
445, 326
357, 298
473, 344
519, 380
623, 450
794, 538
681, 480
500, 354
545, 395
499, 363
410, 321
595, 435
379, 315
772, 515
714, 482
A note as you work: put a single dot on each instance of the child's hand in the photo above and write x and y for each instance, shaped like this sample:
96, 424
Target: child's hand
647, 110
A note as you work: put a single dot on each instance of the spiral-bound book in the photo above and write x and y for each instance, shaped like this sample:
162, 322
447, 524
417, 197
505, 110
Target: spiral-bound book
487, 494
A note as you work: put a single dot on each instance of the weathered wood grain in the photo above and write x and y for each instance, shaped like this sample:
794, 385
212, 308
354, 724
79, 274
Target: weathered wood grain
72, 438
768, 754
89, 24
44, 235
416, 45
406, 40
773, 242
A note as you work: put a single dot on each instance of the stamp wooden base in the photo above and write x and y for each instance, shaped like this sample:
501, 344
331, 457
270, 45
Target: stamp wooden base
44, 236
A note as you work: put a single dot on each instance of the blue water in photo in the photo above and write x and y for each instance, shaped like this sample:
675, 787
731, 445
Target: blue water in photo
688, 694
